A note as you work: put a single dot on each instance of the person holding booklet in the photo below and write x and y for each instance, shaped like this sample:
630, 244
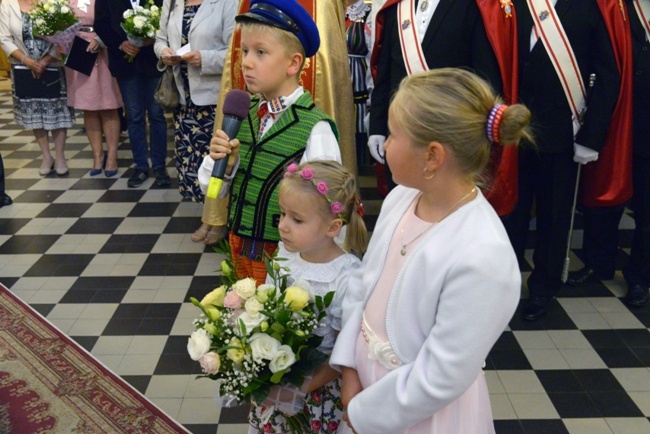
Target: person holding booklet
571, 119
34, 62
97, 93
193, 40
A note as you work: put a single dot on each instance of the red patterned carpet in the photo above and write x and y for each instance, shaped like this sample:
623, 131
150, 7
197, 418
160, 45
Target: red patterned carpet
48, 383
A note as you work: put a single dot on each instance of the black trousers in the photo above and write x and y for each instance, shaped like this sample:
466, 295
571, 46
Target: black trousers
548, 181
2, 176
600, 243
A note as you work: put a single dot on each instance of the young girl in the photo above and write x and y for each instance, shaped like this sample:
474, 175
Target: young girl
440, 280
316, 200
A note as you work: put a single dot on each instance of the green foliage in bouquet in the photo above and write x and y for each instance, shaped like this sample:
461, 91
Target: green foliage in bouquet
252, 338
51, 16
142, 22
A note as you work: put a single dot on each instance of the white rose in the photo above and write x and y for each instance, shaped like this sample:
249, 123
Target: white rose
245, 288
154, 8
65, 9
151, 34
263, 346
284, 358
253, 306
250, 321
40, 22
47, 6
138, 22
198, 344
128, 13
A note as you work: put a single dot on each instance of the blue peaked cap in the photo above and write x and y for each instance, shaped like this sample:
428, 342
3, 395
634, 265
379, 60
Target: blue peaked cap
287, 15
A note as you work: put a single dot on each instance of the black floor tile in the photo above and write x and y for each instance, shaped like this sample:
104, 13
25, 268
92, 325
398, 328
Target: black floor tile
17, 183
59, 265
182, 225
508, 360
560, 381
94, 183
172, 364
574, 405
122, 196
615, 404
201, 429
634, 337
43, 309
65, 210
38, 196
122, 327
162, 310
148, 209
201, 285
131, 310
176, 345
543, 426
105, 225
28, 244
139, 382
87, 342
508, 427
597, 380
619, 358
604, 339
158, 326
170, 264
135, 243
108, 296
233, 414
13, 225
80, 296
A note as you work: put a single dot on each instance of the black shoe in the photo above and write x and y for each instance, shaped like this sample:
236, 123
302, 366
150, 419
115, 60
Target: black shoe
162, 178
536, 307
5, 200
582, 276
139, 176
637, 295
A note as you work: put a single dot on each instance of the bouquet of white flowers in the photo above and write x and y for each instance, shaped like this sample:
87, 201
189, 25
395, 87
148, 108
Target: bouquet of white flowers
54, 21
141, 24
252, 338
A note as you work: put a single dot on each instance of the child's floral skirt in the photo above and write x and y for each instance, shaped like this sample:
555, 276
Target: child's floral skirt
323, 406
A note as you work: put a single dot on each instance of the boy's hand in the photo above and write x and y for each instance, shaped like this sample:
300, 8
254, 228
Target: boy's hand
221, 146
351, 385
129, 48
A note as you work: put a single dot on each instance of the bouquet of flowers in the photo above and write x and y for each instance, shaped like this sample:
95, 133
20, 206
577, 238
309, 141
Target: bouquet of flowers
251, 339
141, 24
55, 22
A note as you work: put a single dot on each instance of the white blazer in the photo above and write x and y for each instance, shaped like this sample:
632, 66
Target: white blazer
210, 33
450, 302
11, 31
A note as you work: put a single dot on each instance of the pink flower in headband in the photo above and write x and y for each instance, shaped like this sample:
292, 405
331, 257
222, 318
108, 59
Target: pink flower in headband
336, 207
307, 173
292, 168
322, 188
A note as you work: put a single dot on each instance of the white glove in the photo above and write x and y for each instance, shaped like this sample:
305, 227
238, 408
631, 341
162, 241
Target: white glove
583, 154
376, 147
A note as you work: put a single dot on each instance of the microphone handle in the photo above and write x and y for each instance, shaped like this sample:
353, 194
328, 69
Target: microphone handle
230, 126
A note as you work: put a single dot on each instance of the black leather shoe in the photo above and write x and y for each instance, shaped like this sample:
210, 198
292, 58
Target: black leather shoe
536, 307
139, 176
582, 276
5, 200
162, 178
637, 295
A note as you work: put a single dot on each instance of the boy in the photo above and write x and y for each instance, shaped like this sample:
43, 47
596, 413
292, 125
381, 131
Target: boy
283, 126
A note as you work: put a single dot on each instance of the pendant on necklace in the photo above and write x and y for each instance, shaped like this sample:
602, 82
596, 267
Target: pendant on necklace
424, 5
403, 251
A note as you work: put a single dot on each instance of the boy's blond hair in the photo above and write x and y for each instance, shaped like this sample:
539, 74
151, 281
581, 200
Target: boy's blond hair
287, 40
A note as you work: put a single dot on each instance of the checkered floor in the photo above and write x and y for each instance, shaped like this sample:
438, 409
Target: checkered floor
114, 267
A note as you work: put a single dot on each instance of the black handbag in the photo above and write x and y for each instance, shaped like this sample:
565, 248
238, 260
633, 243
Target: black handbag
167, 94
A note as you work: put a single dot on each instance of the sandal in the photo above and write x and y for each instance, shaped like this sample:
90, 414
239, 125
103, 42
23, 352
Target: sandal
200, 233
216, 234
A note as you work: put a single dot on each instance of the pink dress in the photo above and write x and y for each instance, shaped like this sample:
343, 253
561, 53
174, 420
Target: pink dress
470, 412
98, 91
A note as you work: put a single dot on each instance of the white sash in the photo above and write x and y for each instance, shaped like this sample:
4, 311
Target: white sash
412, 54
549, 29
643, 10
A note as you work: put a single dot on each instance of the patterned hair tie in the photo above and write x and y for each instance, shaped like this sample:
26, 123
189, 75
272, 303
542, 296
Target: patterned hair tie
494, 122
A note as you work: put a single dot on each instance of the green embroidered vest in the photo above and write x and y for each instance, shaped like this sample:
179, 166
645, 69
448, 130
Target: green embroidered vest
254, 209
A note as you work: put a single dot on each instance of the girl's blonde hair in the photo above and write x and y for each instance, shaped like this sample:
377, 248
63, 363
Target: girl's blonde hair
452, 106
289, 42
340, 187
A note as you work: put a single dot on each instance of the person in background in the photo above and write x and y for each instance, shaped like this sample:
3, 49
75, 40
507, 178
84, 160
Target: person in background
600, 240
440, 280
137, 80
41, 115
97, 95
357, 37
4, 197
283, 125
207, 27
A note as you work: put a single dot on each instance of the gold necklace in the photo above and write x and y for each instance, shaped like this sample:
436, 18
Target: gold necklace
458, 202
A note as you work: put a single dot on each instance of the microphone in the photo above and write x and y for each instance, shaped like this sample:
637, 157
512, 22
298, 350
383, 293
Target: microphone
235, 109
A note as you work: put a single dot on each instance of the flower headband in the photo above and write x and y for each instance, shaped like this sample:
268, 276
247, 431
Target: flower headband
321, 186
494, 122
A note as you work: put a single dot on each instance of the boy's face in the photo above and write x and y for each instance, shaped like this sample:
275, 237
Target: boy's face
267, 67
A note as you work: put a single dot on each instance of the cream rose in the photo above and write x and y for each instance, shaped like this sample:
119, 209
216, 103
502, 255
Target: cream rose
250, 321
236, 354
284, 357
253, 306
127, 13
296, 298
214, 298
263, 346
198, 344
245, 288
210, 362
